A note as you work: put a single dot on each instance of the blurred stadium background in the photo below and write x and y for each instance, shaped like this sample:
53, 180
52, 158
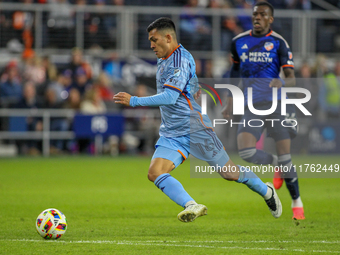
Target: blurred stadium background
62, 60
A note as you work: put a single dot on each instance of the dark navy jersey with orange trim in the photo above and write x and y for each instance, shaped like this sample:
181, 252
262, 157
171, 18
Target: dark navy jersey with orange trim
177, 72
260, 59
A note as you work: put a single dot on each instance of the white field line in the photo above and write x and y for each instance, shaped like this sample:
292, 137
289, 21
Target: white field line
173, 241
177, 244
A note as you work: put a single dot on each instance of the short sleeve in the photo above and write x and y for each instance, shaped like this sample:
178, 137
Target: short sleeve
178, 77
285, 55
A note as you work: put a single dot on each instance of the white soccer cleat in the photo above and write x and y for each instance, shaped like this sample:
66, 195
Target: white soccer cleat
274, 203
191, 212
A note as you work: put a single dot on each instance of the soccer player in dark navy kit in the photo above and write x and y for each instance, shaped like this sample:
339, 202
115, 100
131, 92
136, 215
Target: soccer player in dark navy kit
258, 56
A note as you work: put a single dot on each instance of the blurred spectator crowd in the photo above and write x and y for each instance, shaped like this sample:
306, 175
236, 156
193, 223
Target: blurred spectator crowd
278, 4
59, 23
36, 82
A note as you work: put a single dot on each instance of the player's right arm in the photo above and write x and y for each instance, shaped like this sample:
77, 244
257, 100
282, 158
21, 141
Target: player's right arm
167, 97
177, 77
227, 111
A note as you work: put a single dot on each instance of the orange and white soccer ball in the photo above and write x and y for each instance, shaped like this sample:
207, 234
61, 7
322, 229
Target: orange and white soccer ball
51, 224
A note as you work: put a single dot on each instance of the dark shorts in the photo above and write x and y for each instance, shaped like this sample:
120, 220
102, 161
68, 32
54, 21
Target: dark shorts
278, 127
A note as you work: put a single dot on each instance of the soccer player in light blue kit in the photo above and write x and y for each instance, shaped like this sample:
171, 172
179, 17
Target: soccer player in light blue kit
183, 127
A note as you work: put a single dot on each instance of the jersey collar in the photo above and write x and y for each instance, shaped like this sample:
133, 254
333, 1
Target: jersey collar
172, 52
266, 35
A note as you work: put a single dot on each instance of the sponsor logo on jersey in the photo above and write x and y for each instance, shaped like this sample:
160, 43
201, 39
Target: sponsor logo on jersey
177, 72
257, 57
244, 46
290, 55
244, 57
268, 46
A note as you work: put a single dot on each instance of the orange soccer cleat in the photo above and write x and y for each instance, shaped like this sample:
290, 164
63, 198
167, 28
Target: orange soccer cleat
277, 180
298, 213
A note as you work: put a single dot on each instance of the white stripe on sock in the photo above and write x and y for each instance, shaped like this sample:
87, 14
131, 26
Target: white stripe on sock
247, 153
297, 202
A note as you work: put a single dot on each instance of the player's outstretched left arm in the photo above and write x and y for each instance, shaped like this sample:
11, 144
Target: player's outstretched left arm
167, 97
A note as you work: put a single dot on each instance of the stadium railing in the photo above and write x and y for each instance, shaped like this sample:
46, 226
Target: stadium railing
46, 135
307, 32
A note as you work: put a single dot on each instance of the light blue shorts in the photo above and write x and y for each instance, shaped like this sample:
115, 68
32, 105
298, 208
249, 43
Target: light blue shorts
204, 145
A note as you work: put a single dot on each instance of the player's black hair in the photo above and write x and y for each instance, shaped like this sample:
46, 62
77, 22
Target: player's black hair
161, 24
266, 4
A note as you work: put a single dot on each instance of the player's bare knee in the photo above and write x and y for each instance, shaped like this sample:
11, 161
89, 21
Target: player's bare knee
155, 171
232, 171
230, 176
152, 174
158, 167
151, 177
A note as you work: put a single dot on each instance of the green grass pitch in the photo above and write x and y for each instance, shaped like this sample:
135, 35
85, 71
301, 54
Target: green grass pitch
112, 208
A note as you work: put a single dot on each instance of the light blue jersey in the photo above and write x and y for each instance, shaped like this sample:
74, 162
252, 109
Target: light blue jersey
177, 72
183, 129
